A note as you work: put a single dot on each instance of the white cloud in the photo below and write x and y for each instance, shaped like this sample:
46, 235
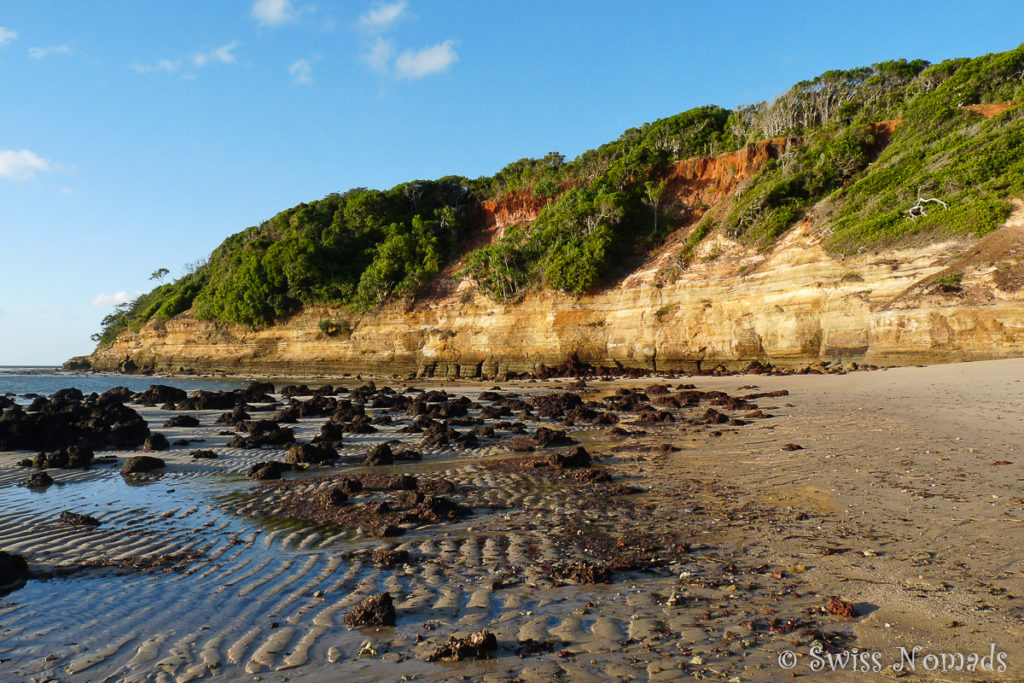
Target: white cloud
379, 51
22, 165
165, 65
104, 300
218, 55
302, 72
380, 16
273, 12
41, 52
221, 54
379, 55
7, 36
426, 61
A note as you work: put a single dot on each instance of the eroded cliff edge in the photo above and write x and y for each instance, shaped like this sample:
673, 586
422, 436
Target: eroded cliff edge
789, 306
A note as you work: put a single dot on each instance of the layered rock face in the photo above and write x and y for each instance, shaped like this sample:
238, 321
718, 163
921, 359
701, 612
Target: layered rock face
789, 306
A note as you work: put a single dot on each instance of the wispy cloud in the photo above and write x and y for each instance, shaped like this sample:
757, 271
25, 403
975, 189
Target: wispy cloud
221, 54
22, 165
379, 50
302, 72
42, 52
378, 55
382, 15
196, 60
7, 36
273, 12
426, 61
104, 300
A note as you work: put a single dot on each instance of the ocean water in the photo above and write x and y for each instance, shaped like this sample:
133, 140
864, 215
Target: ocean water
21, 380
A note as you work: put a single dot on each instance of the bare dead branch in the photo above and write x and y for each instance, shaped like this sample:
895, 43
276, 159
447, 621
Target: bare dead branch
918, 209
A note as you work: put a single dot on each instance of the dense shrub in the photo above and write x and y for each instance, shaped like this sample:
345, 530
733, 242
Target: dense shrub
606, 209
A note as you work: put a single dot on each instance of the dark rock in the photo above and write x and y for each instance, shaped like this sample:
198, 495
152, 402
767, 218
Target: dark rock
311, 454
377, 610
69, 419
350, 485
407, 454
257, 427
437, 434
263, 471
160, 393
466, 439
479, 645
141, 463
263, 433
840, 608
257, 392
494, 412
182, 421
436, 508
713, 417
792, 447
360, 426
389, 559
288, 415
582, 572
210, 400
331, 434
203, 455
437, 486
235, 417
156, 442
70, 457
577, 457
380, 455
76, 519
652, 416
317, 406
39, 480
336, 496
293, 390
546, 438
13, 570
408, 499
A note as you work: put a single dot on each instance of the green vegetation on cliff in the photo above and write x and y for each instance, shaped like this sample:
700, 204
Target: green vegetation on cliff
606, 209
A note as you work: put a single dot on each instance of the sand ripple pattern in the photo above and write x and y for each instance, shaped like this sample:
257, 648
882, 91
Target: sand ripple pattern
230, 595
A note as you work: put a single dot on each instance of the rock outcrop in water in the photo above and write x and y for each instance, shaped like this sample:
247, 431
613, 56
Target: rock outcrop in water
72, 425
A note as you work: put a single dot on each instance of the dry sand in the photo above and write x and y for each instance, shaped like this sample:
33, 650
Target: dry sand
895, 503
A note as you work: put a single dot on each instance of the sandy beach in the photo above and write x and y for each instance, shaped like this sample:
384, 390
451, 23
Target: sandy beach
896, 491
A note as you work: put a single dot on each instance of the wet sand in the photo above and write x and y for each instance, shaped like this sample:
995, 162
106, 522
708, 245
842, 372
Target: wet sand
722, 560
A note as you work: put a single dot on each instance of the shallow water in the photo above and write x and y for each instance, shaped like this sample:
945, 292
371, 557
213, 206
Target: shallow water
22, 380
264, 593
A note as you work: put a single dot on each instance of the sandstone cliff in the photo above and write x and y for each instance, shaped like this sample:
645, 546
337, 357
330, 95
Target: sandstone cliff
788, 306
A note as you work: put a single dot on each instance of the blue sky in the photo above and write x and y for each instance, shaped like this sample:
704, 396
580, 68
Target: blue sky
138, 135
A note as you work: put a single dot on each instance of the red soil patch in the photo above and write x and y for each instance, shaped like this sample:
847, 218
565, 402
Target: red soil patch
992, 109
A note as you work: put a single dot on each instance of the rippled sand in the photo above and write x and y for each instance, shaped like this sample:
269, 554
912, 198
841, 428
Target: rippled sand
893, 504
